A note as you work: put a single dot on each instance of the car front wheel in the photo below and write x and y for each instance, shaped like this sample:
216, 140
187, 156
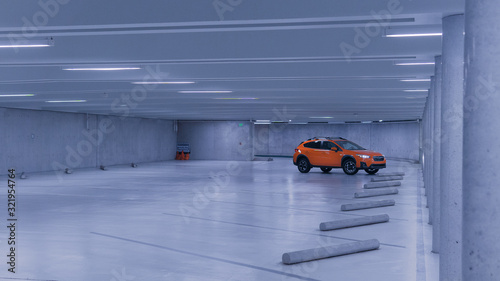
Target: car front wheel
349, 167
303, 165
371, 171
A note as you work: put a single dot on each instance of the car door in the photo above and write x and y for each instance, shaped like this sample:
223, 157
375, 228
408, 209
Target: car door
332, 158
314, 152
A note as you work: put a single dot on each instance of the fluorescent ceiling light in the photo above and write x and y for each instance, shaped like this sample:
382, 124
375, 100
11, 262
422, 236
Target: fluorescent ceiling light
59, 101
20, 95
262, 122
419, 90
25, 46
414, 31
102, 68
205, 92
323, 117
367, 122
416, 80
40, 43
415, 35
235, 98
415, 63
380, 120
161, 83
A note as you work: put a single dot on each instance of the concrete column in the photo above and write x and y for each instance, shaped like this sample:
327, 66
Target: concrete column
420, 139
424, 143
428, 146
436, 178
481, 154
431, 148
452, 96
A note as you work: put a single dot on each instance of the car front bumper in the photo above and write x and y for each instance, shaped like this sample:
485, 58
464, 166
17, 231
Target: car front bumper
363, 165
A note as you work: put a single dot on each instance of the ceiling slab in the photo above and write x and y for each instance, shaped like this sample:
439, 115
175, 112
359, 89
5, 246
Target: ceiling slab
321, 59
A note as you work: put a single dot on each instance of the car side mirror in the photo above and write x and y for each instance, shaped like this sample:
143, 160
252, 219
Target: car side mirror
335, 149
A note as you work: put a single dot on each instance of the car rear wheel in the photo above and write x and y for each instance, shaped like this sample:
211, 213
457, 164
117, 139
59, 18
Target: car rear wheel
371, 171
349, 167
326, 170
303, 165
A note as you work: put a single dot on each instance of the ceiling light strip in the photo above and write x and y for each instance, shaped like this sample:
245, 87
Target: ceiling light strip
416, 80
64, 101
415, 63
235, 98
25, 46
102, 68
163, 82
205, 92
17, 95
415, 35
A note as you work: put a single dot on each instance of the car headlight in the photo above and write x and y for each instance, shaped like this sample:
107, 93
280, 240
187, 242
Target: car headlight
363, 156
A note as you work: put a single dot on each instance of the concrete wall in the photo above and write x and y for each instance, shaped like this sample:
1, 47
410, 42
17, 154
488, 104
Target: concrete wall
393, 140
217, 140
33, 141
214, 140
137, 140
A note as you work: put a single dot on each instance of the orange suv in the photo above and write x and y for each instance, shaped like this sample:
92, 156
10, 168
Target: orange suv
328, 153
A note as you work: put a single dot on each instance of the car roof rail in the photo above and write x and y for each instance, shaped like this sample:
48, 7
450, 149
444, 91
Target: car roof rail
328, 138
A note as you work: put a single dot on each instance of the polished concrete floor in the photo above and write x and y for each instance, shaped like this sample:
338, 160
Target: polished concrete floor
211, 220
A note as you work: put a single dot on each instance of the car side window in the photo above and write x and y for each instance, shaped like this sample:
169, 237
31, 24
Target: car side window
313, 144
328, 145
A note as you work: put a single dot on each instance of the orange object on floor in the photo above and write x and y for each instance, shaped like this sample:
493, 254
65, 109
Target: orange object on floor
183, 156
187, 156
177, 155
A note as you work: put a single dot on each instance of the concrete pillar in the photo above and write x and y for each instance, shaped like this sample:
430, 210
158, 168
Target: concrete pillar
431, 148
452, 96
427, 144
436, 178
424, 143
481, 154
420, 138
423, 137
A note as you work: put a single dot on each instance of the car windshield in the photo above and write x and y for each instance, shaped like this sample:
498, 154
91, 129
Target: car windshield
349, 145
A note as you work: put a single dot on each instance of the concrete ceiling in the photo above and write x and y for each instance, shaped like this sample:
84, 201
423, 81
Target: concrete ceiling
288, 59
